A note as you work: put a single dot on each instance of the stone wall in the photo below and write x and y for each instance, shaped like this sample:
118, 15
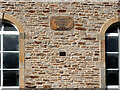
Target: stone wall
44, 67
59, 0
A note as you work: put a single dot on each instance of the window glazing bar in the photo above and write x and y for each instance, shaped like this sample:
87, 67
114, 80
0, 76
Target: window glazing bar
112, 52
119, 56
10, 32
111, 34
2, 57
112, 86
10, 87
1, 28
112, 69
11, 51
11, 69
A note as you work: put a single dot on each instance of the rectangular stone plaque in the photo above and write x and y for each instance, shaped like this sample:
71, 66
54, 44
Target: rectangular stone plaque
61, 22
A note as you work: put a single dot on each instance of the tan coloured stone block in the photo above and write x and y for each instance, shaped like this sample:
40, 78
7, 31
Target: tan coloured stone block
1, 15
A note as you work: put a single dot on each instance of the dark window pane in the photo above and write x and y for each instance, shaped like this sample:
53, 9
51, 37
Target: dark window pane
9, 27
113, 28
0, 60
111, 44
0, 25
0, 77
111, 60
11, 78
0, 42
11, 42
11, 60
112, 77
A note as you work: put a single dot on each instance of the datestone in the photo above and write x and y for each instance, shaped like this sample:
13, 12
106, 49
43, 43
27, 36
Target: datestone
61, 23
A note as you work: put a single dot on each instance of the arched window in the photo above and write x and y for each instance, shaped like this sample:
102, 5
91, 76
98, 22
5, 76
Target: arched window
9, 55
112, 55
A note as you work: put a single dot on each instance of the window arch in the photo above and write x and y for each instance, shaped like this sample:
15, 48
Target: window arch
9, 54
17, 23
112, 55
101, 38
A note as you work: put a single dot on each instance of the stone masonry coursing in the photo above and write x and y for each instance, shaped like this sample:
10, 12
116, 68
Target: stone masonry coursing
43, 65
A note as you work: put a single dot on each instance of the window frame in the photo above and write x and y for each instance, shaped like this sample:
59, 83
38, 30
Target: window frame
117, 52
19, 26
101, 38
2, 33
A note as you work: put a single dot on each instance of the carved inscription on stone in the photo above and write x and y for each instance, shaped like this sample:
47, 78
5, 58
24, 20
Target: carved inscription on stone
61, 22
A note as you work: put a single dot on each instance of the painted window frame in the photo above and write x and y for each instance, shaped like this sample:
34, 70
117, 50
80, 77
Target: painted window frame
117, 52
2, 33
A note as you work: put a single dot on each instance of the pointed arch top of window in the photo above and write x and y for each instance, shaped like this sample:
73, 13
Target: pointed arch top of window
8, 26
113, 28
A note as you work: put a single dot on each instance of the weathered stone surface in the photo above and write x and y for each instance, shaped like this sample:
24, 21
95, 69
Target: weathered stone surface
81, 67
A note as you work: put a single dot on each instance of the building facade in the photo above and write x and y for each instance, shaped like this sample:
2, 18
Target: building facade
64, 44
